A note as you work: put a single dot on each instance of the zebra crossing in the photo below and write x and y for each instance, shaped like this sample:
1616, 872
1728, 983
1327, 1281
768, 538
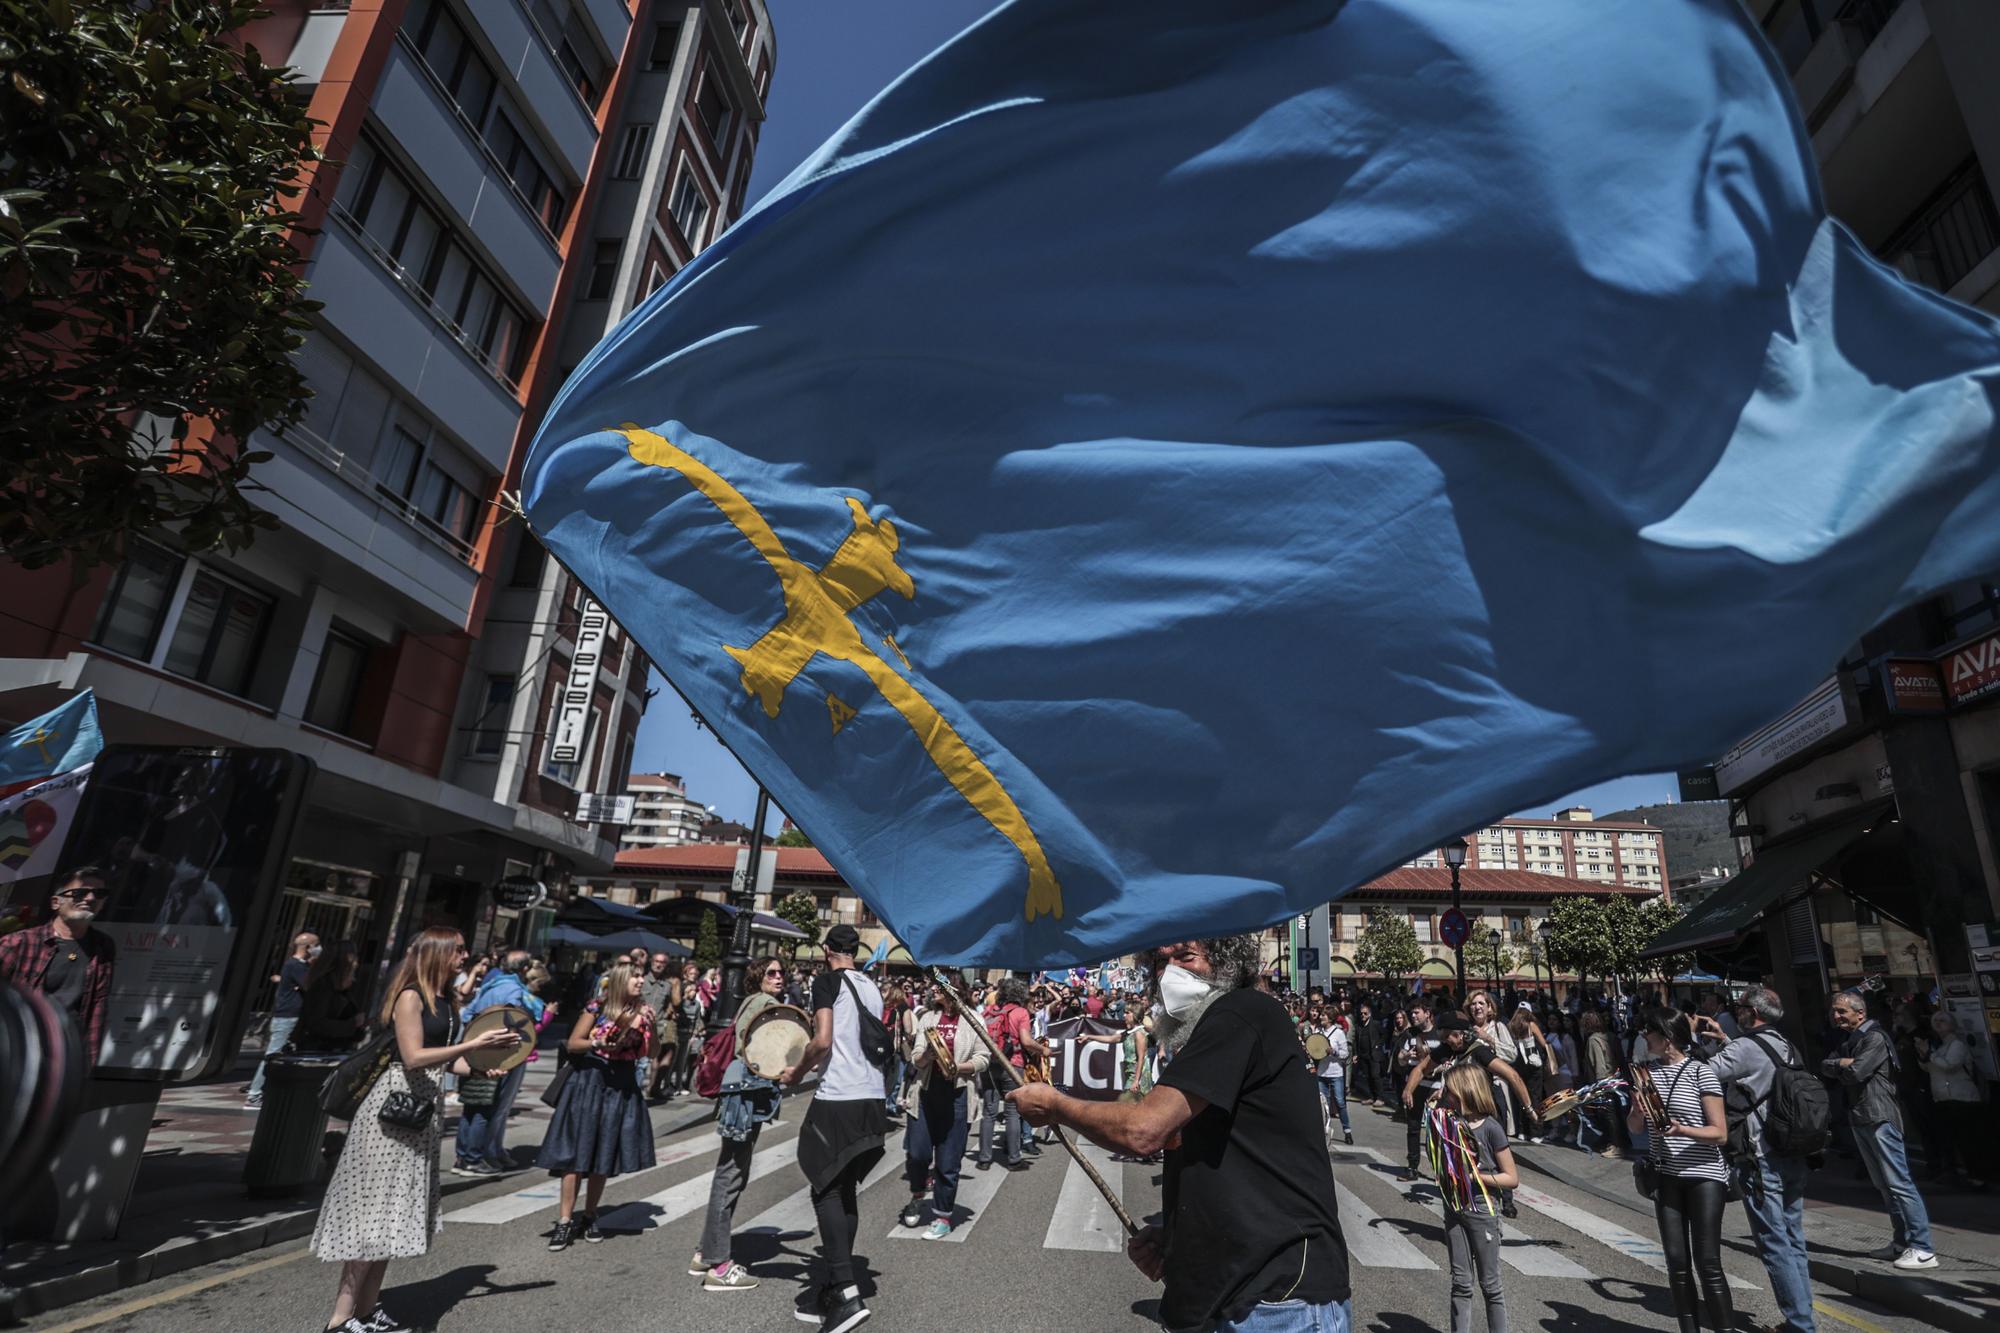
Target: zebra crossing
1387, 1225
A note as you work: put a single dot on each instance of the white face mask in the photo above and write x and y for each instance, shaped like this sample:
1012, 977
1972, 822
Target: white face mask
1181, 990
313, 951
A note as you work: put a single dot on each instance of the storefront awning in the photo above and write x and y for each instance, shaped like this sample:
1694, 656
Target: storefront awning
1438, 969
1778, 875
1339, 967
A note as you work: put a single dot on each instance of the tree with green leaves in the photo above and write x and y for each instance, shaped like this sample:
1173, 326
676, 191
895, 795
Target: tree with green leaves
1655, 916
153, 293
707, 943
802, 910
1388, 946
793, 836
1597, 935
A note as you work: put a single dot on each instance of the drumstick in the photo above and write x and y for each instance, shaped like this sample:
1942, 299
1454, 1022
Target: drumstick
958, 1003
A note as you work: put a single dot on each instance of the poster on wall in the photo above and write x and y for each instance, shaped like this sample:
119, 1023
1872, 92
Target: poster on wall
33, 823
192, 844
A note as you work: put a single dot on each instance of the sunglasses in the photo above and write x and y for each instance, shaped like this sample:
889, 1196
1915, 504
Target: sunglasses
79, 894
774, 971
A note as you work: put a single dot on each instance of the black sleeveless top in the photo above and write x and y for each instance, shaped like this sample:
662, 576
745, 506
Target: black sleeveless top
440, 1025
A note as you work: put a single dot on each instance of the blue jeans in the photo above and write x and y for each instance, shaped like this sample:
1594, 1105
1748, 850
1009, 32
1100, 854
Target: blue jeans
1881, 1149
1293, 1317
934, 1146
482, 1130
281, 1032
1333, 1095
1774, 1195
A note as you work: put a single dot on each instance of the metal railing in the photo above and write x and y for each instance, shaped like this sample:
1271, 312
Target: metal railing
1868, 17
409, 283
336, 461
1956, 228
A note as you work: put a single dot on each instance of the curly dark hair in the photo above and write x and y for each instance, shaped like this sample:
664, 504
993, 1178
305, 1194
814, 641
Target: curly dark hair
1013, 990
1232, 961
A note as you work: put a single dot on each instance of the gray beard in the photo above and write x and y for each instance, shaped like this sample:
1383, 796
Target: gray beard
1174, 1032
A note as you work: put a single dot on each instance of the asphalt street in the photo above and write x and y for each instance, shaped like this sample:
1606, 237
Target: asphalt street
1037, 1250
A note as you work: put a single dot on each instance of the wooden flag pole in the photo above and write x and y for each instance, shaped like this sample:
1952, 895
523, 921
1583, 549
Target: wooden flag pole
965, 1013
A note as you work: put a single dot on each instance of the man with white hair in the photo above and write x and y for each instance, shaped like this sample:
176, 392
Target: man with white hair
1251, 1232
1774, 1182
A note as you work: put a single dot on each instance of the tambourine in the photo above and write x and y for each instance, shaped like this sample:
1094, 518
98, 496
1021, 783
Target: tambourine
496, 1059
775, 1038
1559, 1105
1318, 1047
1648, 1097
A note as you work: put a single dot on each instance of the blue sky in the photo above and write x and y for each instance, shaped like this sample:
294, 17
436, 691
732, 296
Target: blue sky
833, 57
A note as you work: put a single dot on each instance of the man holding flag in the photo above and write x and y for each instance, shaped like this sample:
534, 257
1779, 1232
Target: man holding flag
1251, 1232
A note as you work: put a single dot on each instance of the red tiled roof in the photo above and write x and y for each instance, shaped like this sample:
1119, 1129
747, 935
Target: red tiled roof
720, 858
1428, 880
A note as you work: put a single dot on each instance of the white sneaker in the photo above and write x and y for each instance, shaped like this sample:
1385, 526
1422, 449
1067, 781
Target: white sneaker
1916, 1258
696, 1268
729, 1277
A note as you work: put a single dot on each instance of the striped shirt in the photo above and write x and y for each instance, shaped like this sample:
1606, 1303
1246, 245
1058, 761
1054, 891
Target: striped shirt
1681, 1087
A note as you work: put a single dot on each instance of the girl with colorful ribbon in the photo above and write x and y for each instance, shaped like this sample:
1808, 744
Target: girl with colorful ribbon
1473, 1163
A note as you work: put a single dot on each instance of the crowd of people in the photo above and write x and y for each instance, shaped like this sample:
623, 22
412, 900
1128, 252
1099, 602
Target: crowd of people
1712, 1104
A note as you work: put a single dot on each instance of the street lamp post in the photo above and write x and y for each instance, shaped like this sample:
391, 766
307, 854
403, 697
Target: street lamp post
1454, 856
737, 961
1542, 933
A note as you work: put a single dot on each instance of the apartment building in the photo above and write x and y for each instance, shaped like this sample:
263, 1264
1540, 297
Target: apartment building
395, 628
1571, 843
1873, 805
662, 814
673, 170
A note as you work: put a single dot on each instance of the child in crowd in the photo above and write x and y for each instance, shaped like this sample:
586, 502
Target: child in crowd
1472, 1197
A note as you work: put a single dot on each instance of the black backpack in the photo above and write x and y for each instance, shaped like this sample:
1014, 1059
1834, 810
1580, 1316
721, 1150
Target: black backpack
877, 1046
1800, 1120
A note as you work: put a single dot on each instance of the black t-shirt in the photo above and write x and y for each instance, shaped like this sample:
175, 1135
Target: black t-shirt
1249, 1192
291, 989
68, 976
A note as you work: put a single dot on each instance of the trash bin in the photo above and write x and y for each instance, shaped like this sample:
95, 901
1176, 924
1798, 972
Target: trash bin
285, 1154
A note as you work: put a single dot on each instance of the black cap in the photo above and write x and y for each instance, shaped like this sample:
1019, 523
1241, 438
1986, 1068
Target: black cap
1452, 1021
843, 938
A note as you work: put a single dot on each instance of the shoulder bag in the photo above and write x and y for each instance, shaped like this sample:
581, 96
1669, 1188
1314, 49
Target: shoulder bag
354, 1078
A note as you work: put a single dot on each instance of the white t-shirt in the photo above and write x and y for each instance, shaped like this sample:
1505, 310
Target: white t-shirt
848, 1077
1335, 1064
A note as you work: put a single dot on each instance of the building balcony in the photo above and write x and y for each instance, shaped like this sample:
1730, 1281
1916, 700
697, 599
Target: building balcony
1951, 237
379, 309
546, 92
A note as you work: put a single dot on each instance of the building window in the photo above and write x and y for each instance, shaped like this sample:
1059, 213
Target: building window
566, 36
489, 724
220, 631
666, 42
632, 152
536, 185
712, 109
136, 603
1421, 923
603, 271
342, 661
429, 480
739, 22
529, 561
432, 263
435, 31
689, 206
656, 278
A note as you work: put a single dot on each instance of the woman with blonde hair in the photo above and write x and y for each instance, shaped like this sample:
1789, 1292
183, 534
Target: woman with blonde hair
382, 1203
601, 1127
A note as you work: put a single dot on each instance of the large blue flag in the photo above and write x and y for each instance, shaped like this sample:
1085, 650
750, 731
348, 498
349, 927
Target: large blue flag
1165, 462
59, 740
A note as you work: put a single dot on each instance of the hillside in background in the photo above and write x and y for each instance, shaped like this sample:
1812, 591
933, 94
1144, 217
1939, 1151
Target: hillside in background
1697, 835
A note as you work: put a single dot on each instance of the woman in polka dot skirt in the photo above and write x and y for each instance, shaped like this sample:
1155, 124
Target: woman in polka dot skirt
382, 1203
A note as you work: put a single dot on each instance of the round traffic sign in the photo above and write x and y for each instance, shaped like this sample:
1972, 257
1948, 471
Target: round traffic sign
1453, 928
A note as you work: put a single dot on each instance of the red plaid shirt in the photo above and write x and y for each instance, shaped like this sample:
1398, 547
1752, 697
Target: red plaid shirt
24, 959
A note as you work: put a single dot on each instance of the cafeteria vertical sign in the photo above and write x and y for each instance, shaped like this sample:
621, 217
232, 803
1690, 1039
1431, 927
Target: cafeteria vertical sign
572, 729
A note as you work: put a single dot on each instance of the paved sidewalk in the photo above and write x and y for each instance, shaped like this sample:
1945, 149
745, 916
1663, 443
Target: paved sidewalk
190, 1207
1845, 1221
